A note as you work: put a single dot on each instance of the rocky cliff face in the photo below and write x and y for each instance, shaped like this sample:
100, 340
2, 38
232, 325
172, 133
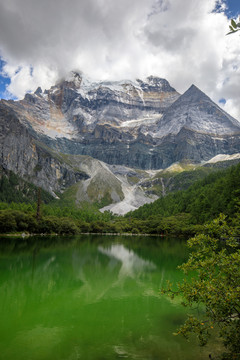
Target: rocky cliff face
195, 111
142, 124
22, 154
89, 179
104, 120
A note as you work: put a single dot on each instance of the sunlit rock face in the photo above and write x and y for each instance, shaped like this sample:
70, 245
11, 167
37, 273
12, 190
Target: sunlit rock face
105, 139
144, 123
197, 112
23, 155
74, 107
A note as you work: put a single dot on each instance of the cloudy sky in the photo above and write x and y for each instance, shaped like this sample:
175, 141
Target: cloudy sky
183, 41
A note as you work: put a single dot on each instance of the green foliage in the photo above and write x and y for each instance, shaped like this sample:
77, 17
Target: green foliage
86, 213
215, 261
68, 226
14, 188
21, 217
234, 27
19, 221
185, 179
204, 200
133, 179
7, 222
15, 220
179, 213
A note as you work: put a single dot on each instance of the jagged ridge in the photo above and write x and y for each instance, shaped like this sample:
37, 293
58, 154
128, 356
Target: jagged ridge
48, 137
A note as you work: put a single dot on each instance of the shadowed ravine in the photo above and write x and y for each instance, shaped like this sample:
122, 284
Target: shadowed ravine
91, 298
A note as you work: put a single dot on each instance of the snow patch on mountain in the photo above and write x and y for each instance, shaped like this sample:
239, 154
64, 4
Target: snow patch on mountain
144, 121
223, 157
87, 87
120, 86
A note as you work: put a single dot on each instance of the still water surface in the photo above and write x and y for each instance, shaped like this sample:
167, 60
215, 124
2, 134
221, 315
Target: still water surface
91, 297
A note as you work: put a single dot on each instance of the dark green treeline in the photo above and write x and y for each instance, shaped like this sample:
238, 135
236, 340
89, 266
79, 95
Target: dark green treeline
180, 212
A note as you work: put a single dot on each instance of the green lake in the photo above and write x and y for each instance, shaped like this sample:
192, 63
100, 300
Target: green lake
91, 297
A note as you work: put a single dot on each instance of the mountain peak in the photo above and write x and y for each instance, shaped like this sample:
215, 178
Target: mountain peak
141, 123
38, 91
154, 83
193, 90
194, 87
193, 95
195, 111
73, 79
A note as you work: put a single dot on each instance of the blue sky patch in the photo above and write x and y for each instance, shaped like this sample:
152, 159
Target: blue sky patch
4, 81
222, 101
233, 8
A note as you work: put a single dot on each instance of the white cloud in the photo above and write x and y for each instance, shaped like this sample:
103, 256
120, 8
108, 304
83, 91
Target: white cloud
183, 41
26, 78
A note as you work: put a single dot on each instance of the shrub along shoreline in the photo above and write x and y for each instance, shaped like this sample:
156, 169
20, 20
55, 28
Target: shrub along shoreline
16, 221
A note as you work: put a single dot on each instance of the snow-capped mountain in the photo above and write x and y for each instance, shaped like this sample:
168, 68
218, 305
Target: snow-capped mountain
195, 111
76, 105
141, 124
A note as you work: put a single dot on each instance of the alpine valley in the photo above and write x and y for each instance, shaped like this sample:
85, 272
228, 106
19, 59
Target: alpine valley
115, 144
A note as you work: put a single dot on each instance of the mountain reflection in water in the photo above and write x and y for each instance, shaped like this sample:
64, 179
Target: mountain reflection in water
132, 265
90, 298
